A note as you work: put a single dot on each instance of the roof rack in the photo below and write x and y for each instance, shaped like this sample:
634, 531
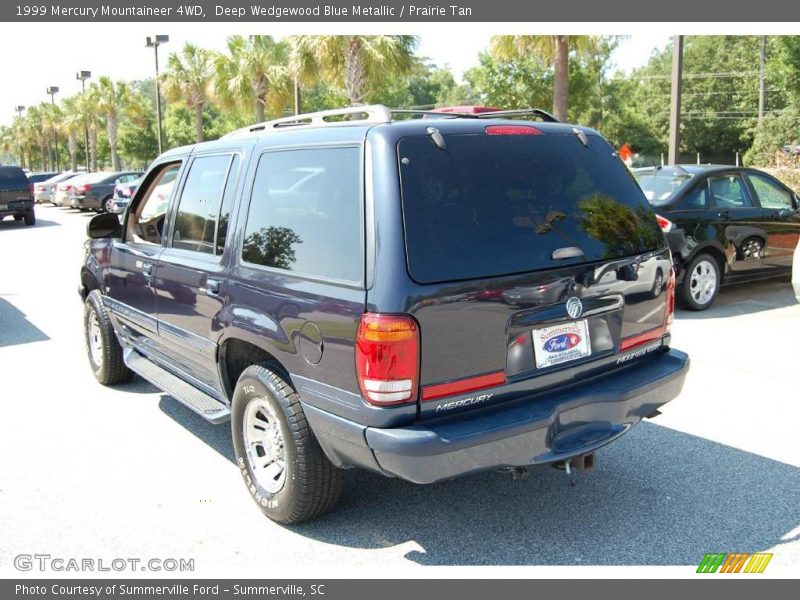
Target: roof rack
374, 114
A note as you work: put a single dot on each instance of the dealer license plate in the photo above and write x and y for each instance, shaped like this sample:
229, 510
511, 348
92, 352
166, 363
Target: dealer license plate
561, 343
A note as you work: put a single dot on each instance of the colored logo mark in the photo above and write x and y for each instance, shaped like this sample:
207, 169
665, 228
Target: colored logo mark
735, 562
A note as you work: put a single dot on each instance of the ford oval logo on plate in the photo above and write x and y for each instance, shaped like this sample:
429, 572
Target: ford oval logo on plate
562, 342
574, 307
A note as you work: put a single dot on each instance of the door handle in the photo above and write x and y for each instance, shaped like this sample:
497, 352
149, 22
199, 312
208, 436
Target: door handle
724, 214
147, 269
212, 287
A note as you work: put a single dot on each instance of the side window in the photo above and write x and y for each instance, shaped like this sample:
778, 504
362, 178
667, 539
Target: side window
227, 201
146, 222
697, 199
305, 213
199, 205
769, 193
729, 192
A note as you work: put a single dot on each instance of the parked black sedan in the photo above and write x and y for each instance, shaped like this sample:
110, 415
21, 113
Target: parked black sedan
725, 225
96, 191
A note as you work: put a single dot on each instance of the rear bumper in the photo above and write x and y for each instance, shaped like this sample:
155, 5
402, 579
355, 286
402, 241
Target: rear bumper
545, 428
17, 207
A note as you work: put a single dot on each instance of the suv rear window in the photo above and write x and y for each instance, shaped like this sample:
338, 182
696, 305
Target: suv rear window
491, 205
13, 178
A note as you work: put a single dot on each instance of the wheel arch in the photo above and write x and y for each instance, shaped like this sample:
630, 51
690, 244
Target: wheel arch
238, 350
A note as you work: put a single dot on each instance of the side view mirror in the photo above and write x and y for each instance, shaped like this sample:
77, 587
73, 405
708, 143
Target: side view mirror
104, 225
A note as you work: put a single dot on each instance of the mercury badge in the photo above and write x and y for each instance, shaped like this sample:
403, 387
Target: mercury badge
574, 307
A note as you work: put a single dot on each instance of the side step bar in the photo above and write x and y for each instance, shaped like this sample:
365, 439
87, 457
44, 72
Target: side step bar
204, 405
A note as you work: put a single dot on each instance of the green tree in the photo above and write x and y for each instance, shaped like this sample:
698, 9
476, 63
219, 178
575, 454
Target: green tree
189, 77
360, 64
114, 99
254, 74
552, 50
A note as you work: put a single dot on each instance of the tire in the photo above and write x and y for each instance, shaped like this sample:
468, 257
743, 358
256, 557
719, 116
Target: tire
102, 347
700, 283
107, 205
30, 219
18, 217
307, 485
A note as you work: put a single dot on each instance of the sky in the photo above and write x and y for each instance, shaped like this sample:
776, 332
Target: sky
54, 52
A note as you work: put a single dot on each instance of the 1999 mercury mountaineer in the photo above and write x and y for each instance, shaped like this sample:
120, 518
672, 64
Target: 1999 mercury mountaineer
423, 295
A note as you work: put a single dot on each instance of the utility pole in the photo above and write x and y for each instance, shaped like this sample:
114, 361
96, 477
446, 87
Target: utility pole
762, 76
675, 100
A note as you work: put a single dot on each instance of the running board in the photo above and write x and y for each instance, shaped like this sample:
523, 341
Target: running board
204, 405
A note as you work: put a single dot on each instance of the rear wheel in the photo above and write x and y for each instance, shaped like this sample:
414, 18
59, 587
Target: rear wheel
108, 204
283, 466
102, 346
30, 219
700, 283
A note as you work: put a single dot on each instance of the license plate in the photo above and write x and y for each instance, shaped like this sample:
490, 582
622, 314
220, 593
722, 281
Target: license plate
561, 343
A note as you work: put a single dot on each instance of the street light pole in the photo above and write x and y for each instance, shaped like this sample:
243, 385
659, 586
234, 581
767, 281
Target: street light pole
53, 90
83, 76
154, 42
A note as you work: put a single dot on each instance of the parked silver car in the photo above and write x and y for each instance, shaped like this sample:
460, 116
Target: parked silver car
43, 191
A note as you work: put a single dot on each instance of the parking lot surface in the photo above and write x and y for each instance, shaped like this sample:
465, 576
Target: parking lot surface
88, 471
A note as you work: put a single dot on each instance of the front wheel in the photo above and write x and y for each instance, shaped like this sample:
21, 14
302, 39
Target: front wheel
30, 219
283, 466
700, 283
102, 346
108, 204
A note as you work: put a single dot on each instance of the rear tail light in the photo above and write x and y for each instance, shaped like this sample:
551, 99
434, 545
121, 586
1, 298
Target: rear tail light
30, 188
82, 189
40, 188
387, 359
127, 191
665, 224
512, 130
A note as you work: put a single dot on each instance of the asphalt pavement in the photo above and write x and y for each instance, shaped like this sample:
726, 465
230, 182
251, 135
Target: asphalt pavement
88, 471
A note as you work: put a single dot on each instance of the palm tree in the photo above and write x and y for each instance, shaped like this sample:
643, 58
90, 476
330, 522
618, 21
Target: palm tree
33, 128
51, 123
303, 67
553, 49
254, 74
89, 106
189, 77
72, 125
358, 61
113, 100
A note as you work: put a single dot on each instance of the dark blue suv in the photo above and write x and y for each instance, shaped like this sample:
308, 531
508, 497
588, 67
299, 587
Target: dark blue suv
420, 295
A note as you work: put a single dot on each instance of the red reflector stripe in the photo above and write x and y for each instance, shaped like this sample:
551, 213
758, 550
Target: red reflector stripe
462, 386
642, 338
512, 130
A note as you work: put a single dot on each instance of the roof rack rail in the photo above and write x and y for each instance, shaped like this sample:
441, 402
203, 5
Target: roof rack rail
543, 115
375, 113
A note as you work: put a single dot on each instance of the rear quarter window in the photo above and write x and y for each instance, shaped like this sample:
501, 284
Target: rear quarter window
305, 213
491, 205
